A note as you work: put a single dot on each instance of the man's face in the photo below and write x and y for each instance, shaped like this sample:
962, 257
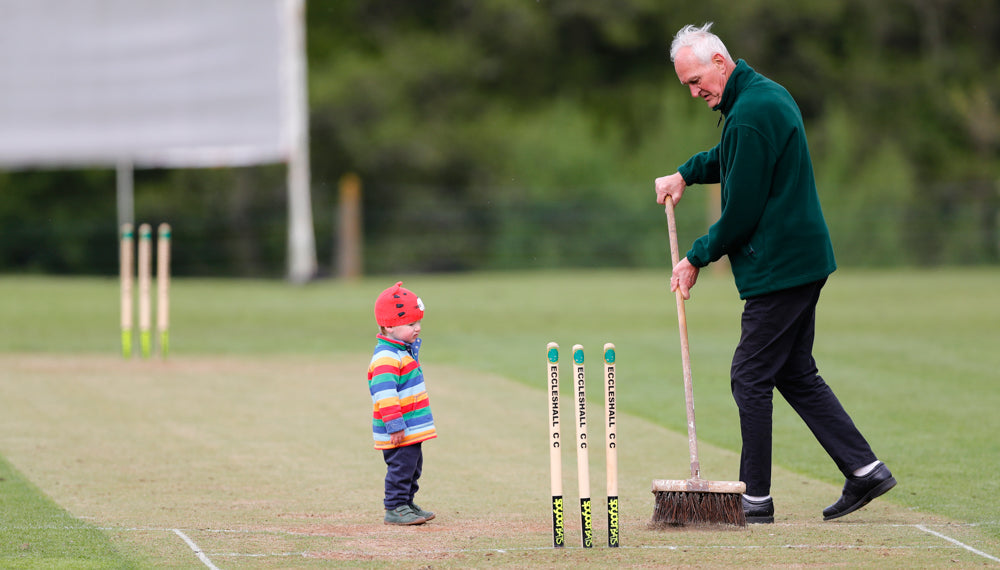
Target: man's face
705, 80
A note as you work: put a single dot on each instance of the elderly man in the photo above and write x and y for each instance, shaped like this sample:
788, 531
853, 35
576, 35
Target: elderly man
773, 231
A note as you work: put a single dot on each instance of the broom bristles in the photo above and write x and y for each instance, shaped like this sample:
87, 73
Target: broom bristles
681, 508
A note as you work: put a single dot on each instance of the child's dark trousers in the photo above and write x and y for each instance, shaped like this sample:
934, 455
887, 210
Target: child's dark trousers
403, 466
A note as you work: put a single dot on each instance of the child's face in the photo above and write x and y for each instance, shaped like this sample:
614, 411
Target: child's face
405, 333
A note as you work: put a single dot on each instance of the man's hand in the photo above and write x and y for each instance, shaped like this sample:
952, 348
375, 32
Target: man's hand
672, 186
683, 278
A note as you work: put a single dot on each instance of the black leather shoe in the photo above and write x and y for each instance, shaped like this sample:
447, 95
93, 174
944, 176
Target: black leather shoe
859, 491
758, 512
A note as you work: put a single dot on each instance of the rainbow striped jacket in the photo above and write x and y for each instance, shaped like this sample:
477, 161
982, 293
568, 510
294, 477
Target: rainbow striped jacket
399, 397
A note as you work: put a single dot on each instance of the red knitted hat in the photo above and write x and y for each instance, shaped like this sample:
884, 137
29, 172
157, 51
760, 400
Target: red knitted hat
398, 306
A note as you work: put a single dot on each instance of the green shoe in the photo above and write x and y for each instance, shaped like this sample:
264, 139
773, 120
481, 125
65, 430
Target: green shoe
403, 515
420, 512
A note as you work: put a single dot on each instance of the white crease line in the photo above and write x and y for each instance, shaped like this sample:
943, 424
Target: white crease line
376, 554
194, 547
953, 541
197, 551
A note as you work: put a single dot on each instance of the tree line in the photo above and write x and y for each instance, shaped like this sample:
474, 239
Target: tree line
506, 134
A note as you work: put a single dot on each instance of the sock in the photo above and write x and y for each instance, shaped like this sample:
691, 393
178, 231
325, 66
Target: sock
866, 469
753, 499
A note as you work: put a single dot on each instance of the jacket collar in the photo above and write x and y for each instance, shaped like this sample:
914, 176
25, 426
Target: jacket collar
413, 348
737, 81
387, 340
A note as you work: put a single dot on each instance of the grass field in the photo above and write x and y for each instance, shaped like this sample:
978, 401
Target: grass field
249, 447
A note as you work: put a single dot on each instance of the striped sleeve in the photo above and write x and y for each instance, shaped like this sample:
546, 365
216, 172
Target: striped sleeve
383, 382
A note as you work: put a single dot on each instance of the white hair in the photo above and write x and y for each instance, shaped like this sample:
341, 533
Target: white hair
703, 43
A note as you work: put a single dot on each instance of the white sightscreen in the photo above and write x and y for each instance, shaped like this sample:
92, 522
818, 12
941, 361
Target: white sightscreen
154, 82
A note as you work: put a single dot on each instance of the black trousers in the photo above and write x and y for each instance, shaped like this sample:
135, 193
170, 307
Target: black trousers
403, 468
775, 351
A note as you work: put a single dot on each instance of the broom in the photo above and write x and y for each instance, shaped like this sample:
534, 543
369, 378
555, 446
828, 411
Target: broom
694, 501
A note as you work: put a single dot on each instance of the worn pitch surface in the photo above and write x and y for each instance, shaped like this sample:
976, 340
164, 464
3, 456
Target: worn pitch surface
267, 463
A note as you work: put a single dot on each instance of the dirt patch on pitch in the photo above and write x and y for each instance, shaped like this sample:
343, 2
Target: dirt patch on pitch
428, 541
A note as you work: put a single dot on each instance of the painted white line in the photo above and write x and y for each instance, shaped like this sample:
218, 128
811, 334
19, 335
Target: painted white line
197, 551
953, 541
205, 559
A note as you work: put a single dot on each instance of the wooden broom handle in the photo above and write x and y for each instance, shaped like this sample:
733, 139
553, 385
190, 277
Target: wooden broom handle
685, 349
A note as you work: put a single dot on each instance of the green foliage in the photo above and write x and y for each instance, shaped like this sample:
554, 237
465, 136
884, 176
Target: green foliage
506, 134
866, 196
49, 224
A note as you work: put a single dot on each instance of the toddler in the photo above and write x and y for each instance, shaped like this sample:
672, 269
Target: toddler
401, 418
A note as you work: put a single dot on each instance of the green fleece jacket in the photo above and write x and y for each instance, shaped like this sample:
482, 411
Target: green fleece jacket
771, 227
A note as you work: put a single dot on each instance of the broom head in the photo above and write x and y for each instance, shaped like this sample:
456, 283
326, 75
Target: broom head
698, 502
